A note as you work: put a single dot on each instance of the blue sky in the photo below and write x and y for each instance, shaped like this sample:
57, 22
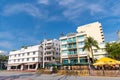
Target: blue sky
24, 22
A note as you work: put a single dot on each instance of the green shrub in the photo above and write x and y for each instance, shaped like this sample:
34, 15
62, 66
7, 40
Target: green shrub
55, 70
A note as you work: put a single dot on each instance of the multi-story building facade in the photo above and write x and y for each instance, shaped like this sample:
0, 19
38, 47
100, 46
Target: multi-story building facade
25, 58
50, 51
33, 57
71, 45
99, 53
94, 30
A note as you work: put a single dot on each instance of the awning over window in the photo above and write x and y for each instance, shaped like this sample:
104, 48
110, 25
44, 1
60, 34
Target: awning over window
17, 64
30, 63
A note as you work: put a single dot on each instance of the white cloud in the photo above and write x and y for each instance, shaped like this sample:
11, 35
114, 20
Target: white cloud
46, 2
6, 35
29, 9
65, 3
54, 18
96, 8
6, 44
19, 8
116, 9
76, 9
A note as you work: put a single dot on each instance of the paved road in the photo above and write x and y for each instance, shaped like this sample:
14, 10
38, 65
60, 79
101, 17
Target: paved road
34, 76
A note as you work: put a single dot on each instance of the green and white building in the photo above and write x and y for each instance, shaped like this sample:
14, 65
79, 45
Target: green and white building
71, 45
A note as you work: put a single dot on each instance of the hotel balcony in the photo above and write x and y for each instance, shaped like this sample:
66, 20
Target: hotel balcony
48, 55
49, 50
72, 47
71, 41
49, 45
72, 55
48, 61
82, 39
82, 54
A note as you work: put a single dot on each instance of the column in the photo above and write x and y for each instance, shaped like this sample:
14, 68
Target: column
43, 65
68, 63
28, 67
78, 59
22, 66
36, 66
9, 67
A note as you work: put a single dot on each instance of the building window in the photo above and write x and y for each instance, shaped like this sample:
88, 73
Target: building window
18, 60
10, 56
80, 37
103, 49
95, 50
65, 61
56, 53
64, 41
27, 59
14, 60
19, 55
15, 55
81, 50
23, 54
80, 43
22, 59
33, 53
28, 53
33, 59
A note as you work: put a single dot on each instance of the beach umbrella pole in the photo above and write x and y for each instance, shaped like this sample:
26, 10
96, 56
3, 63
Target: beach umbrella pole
103, 70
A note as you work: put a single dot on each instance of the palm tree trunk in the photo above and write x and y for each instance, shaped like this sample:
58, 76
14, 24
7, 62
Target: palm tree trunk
91, 50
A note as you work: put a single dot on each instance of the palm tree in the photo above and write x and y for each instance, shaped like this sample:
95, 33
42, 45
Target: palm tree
89, 43
113, 50
3, 59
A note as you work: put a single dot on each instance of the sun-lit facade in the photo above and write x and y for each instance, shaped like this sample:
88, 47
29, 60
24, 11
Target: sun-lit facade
71, 45
94, 30
71, 48
50, 50
24, 59
34, 57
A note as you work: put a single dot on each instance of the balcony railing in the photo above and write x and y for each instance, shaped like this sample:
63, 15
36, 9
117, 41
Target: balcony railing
48, 54
71, 41
72, 55
49, 50
72, 47
49, 45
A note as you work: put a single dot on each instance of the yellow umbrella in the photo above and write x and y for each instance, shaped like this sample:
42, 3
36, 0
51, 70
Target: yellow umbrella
118, 62
106, 60
99, 63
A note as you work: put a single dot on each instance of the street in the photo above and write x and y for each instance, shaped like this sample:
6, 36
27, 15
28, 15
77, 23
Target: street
33, 76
